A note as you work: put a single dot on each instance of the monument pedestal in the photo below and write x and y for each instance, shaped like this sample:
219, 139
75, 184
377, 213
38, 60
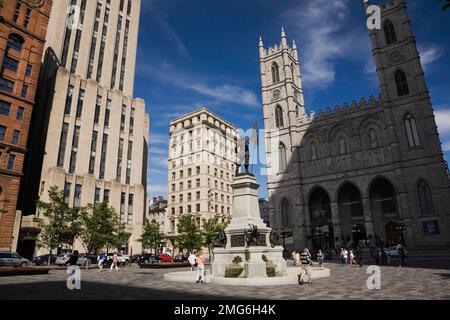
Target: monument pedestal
245, 216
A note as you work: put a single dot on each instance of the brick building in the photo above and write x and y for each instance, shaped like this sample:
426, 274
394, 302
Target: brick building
23, 27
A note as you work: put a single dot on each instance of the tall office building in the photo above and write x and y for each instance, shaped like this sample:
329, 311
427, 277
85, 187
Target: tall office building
93, 135
23, 25
202, 157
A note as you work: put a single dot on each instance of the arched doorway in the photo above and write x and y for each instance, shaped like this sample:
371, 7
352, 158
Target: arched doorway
351, 213
321, 219
392, 234
359, 232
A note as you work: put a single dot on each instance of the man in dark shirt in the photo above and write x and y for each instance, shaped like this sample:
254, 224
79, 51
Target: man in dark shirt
73, 258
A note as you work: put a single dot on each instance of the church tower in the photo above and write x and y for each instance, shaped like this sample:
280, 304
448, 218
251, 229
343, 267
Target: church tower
284, 111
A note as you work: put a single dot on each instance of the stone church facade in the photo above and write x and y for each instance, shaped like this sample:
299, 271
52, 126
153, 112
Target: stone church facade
370, 169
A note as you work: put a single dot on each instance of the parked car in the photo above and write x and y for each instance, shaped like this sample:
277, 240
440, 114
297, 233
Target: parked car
180, 258
91, 257
8, 259
163, 257
63, 260
43, 260
392, 251
147, 258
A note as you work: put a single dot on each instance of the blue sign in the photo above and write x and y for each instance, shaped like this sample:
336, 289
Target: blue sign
431, 227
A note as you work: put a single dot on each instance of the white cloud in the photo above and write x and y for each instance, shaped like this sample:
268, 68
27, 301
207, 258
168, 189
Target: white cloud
223, 92
319, 25
157, 188
443, 121
429, 54
159, 138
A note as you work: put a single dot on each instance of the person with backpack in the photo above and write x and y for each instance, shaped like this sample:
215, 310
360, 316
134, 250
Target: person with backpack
101, 261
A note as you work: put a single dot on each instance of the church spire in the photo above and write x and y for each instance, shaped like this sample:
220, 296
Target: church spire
261, 47
283, 39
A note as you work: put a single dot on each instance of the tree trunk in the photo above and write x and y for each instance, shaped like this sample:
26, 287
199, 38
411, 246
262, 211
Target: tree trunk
49, 258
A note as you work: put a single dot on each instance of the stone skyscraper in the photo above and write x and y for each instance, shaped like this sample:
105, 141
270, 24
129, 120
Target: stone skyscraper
93, 135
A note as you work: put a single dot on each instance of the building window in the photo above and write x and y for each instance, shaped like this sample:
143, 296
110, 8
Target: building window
17, 11
2, 133
6, 85
275, 73
76, 48
97, 196
69, 97
282, 157
425, 198
10, 64
97, 110
94, 41
411, 131
20, 113
27, 17
122, 118
5, 107
122, 207
103, 157
124, 55
129, 160
102, 45
68, 33
107, 112
116, 52
402, 83
15, 42
62, 144
11, 160
119, 160
29, 70
389, 32
106, 196
279, 122
16, 137
77, 196
24, 91
132, 121
130, 209
129, 7
93, 152
73, 154
121, 5
292, 72
80, 104
67, 187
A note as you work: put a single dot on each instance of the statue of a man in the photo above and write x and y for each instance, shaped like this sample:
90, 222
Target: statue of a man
247, 153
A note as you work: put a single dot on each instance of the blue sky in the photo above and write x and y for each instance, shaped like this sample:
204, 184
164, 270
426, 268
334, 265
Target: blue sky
205, 53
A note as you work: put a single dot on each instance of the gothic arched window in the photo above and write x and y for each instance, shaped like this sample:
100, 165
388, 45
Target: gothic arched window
389, 32
292, 72
411, 130
313, 151
15, 42
373, 140
402, 83
282, 159
425, 198
275, 73
279, 117
285, 213
342, 145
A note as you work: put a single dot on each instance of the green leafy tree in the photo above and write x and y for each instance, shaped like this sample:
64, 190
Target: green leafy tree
98, 226
190, 236
118, 235
60, 224
151, 235
210, 231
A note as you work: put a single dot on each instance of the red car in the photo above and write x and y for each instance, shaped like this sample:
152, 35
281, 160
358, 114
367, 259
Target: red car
165, 257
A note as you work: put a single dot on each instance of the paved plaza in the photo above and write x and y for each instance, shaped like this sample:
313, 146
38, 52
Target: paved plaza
429, 283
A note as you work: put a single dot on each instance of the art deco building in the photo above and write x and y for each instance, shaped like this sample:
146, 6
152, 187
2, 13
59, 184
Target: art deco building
202, 157
23, 25
91, 140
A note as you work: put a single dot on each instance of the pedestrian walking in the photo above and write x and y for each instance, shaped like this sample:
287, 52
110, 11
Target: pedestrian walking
191, 260
101, 261
345, 256
114, 262
73, 258
200, 260
293, 254
306, 263
320, 258
359, 255
351, 258
401, 255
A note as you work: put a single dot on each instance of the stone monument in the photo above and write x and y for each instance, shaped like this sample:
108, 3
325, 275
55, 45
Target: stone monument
247, 235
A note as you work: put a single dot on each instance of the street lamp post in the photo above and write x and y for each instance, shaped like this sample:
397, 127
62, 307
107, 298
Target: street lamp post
319, 234
401, 227
356, 231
